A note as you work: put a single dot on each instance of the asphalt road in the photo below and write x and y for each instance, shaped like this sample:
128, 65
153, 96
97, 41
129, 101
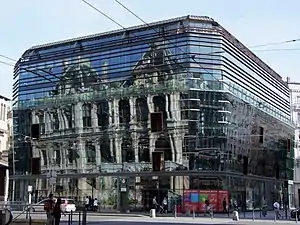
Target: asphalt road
127, 220
177, 221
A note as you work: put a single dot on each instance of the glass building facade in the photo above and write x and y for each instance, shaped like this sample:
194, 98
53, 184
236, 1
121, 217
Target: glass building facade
167, 107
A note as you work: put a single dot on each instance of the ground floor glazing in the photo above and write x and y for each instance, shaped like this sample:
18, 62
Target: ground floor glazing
139, 191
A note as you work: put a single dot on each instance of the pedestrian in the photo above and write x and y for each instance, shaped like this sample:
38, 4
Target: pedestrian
276, 207
48, 207
225, 208
57, 211
87, 203
95, 207
208, 208
165, 205
155, 204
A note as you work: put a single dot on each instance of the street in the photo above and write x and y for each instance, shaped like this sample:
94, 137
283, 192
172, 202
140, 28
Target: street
114, 219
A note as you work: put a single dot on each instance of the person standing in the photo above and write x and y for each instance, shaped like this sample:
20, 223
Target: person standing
95, 205
48, 207
165, 205
87, 203
225, 207
57, 211
154, 204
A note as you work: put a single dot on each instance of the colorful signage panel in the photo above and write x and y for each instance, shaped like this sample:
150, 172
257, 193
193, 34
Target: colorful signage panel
195, 199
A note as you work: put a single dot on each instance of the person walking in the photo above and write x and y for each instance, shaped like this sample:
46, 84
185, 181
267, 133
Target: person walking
57, 211
165, 205
276, 207
48, 207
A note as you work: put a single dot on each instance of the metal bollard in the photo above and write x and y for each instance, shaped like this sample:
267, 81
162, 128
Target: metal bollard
253, 216
27, 209
1, 218
84, 218
194, 214
296, 217
30, 221
79, 218
211, 214
69, 219
71, 214
175, 211
275, 217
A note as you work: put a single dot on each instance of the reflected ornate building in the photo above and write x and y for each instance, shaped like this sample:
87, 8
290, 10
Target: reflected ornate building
166, 112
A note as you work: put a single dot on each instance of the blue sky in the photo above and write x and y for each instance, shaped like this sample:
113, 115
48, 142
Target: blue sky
31, 22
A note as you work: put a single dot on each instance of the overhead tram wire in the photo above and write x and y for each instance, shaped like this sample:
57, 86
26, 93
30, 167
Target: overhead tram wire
6, 63
276, 43
189, 56
6, 57
157, 32
29, 71
254, 46
194, 56
114, 21
148, 25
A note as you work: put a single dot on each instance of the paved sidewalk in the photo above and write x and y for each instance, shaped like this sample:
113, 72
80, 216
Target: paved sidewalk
248, 215
164, 220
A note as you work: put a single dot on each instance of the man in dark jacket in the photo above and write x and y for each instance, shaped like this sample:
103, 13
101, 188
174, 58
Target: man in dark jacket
48, 207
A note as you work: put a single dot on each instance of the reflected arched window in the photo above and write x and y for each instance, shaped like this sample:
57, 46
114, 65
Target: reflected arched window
90, 152
106, 156
103, 114
55, 121
124, 111
86, 115
45, 159
57, 155
127, 150
142, 110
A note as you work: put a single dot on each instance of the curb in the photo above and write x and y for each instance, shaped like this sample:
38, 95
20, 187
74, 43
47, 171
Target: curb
118, 215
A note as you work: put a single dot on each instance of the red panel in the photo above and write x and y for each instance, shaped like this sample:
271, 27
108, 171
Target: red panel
156, 120
195, 199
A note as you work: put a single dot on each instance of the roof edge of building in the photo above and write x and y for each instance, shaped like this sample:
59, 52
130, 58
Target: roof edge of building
234, 40
5, 98
137, 27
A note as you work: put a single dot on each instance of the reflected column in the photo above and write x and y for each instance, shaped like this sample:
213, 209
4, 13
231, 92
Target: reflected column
81, 163
98, 152
94, 116
78, 116
132, 103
